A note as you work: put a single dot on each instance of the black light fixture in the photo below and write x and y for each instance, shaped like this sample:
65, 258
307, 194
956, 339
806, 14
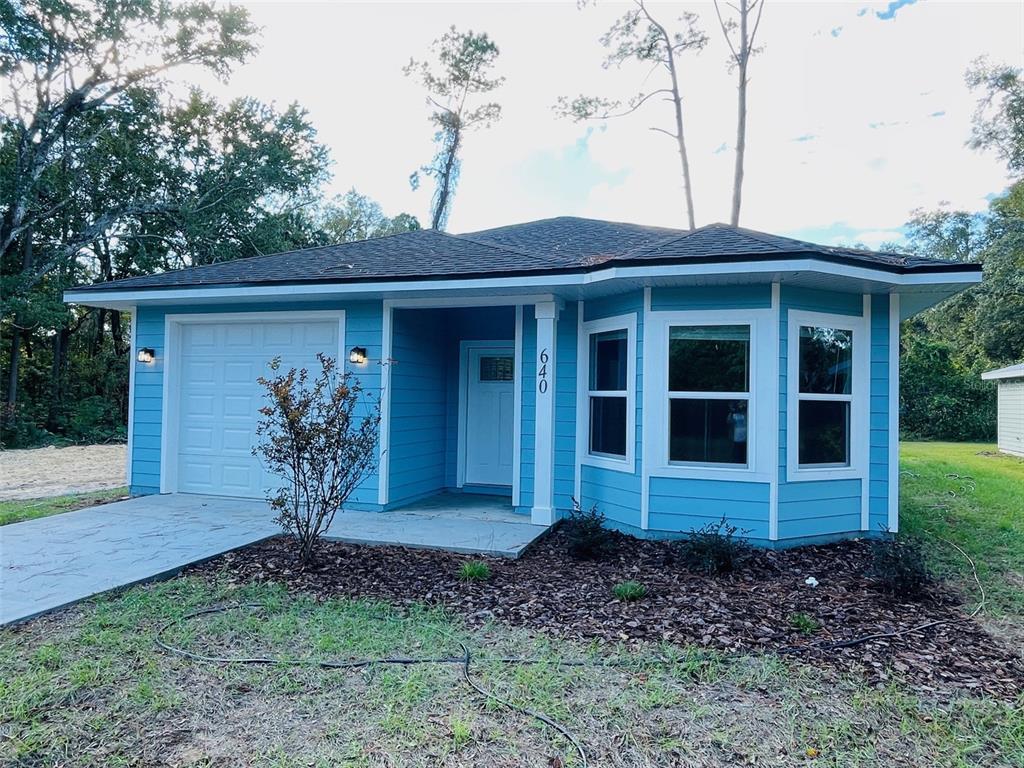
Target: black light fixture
146, 355
357, 356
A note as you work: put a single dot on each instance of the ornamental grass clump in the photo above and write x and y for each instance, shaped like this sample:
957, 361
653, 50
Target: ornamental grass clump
318, 436
474, 570
629, 591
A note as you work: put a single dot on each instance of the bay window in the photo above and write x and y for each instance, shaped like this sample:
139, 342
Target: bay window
608, 393
824, 396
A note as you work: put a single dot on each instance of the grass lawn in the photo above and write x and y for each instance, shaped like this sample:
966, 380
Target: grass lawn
29, 509
968, 493
89, 687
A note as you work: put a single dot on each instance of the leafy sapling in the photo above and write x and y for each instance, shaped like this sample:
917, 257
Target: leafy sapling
319, 437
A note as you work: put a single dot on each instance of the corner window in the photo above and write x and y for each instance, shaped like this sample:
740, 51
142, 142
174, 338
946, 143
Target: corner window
709, 394
824, 396
608, 392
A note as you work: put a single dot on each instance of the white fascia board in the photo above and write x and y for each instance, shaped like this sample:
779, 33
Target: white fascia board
502, 285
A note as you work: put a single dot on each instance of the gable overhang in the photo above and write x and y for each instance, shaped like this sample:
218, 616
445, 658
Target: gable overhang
921, 288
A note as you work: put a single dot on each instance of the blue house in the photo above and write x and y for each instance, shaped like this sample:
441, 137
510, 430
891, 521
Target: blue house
669, 377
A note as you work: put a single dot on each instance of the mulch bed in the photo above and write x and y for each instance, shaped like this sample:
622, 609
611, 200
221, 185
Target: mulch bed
749, 611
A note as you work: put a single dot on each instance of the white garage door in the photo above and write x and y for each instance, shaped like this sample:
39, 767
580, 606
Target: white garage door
220, 398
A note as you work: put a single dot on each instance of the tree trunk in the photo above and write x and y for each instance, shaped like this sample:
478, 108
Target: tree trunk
741, 115
11, 401
445, 184
677, 102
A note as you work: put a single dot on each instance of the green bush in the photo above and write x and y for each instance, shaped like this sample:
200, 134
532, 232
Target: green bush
628, 591
899, 567
587, 535
715, 548
474, 570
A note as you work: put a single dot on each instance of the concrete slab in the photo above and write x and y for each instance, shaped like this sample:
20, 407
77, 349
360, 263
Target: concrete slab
54, 561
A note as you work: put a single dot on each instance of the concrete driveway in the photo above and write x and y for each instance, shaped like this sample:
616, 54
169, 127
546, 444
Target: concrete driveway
58, 560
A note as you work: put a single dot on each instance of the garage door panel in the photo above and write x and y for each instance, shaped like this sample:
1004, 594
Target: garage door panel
220, 398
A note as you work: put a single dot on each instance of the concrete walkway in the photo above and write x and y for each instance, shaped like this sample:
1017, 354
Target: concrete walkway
54, 561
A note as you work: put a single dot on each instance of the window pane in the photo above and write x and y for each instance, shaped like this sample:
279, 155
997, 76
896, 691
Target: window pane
496, 368
608, 425
826, 360
824, 432
713, 358
608, 361
708, 431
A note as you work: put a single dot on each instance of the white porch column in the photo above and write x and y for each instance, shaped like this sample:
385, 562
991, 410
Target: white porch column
544, 453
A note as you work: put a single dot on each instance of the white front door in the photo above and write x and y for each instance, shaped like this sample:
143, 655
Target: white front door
490, 415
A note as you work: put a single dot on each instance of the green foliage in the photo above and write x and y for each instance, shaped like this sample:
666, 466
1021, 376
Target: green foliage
586, 533
999, 120
899, 567
804, 623
320, 438
714, 548
357, 217
474, 570
629, 591
461, 70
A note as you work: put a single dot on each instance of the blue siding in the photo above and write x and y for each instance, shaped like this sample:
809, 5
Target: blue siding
529, 407
565, 407
362, 327
823, 507
610, 306
682, 505
878, 512
683, 298
617, 494
418, 406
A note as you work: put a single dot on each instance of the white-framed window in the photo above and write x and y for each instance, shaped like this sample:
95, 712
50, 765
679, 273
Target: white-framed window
712, 384
606, 429
827, 387
709, 394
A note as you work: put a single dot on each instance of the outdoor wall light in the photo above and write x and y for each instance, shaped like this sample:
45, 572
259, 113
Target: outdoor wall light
146, 355
357, 355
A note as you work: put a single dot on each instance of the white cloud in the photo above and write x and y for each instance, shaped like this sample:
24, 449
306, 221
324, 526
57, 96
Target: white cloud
343, 62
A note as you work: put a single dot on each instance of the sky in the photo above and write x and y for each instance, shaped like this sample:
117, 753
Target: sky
858, 112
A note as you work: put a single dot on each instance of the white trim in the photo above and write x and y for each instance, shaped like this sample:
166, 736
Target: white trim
453, 302
860, 397
541, 281
172, 371
498, 346
774, 343
894, 413
581, 434
627, 323
517, 404
656, 432
865, 483
645, 422
544, 450
133, 347
384, 429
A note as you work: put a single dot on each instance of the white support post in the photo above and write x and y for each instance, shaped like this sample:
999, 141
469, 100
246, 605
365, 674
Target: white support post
544, 387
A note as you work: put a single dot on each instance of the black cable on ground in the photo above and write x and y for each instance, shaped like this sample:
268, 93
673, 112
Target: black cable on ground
464, 661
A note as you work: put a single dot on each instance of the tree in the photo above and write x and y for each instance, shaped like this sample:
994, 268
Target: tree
464, 61
357, 217
639, 36
999, 118
313, 437
740, 51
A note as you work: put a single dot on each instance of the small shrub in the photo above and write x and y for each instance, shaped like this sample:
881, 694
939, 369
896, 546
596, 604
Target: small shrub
715, 548
898, 566
474, 570
588, 537
628, 591
804, 624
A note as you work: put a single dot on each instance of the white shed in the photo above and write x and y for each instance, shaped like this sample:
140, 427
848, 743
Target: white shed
1010, 430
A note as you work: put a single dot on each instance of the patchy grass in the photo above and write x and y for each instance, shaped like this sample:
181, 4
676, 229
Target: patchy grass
969, 494
88, 687
29, 509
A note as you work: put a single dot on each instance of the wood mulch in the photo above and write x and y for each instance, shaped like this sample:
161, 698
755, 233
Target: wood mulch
750, 611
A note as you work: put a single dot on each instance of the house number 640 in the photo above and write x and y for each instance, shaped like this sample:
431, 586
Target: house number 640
542, 372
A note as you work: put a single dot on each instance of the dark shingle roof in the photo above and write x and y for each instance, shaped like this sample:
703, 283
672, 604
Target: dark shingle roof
564, 244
